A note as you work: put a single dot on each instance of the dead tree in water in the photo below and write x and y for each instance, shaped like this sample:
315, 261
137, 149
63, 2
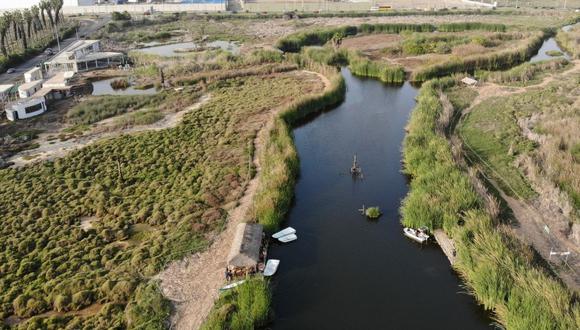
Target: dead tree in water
355, 170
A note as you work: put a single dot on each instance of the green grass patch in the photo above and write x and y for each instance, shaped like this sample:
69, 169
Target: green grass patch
492, 137
245, 307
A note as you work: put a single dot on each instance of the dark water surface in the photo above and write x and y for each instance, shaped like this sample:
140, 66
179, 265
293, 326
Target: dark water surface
345, 272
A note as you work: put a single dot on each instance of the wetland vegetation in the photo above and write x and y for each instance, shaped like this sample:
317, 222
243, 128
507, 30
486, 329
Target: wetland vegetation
159, 196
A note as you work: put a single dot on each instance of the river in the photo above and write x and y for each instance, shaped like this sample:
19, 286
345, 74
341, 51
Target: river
344, 271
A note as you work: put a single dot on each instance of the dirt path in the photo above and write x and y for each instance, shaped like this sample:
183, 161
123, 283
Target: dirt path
536, 225
192, 284
51, 148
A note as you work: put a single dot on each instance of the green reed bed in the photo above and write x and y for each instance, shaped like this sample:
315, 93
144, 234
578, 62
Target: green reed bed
294, 42
244, 307
493, 61
523, 74
499, 270
470, 26
383, 71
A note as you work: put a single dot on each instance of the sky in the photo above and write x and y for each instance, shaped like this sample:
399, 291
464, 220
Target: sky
8, 4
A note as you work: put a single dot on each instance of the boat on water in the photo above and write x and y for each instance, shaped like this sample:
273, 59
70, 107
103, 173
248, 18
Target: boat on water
288, 238
233, 285
284, 232
420, 235
271, 267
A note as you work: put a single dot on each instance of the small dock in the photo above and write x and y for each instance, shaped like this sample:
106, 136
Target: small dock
446, 244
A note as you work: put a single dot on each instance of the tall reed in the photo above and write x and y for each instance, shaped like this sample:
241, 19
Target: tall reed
493, 61
500, 271
294, 42
383, 71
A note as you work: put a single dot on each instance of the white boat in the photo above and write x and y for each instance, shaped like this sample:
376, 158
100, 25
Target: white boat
233, 285
419, 235
271, 267
288, 238
284, 232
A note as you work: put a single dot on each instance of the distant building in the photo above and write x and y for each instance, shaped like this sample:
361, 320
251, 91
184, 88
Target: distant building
83, 55
76, 3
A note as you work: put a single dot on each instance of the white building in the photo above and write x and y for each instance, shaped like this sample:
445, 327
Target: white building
26, 108
76, 3
29, 88
83, 55
33, 74
36, 94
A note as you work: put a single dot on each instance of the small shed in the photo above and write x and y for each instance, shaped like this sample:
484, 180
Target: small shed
245, 251
469, 81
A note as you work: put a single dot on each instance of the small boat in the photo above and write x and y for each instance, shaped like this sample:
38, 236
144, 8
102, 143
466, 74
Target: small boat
271, 267
419, 235
233, 285
288, 238
284, 232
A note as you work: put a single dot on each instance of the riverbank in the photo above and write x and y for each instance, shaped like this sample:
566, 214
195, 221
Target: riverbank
500, 271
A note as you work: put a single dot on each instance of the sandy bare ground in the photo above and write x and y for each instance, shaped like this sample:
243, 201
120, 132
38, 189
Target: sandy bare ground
192, 284
50, 148
533, 216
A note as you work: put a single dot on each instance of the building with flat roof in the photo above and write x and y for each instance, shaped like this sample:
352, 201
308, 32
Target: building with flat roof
83, 55
26, 108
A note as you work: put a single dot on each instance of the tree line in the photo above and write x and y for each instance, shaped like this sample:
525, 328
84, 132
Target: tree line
33, 27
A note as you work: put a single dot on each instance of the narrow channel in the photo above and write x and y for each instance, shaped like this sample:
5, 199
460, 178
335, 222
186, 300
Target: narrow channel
344, 271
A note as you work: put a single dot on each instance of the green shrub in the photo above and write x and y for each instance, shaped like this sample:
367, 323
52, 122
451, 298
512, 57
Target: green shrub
373, 213
245, 307
148, 309
124, 16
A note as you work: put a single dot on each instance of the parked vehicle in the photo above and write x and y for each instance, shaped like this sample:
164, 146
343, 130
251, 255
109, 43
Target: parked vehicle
11, 70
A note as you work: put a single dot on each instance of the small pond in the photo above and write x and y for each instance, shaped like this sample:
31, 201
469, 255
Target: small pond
547, 46
103, 87
174, 49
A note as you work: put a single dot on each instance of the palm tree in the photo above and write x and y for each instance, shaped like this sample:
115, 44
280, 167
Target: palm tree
19, 22
47, 5
57, 6
28, 18
36, 18
42, 9
4, 25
